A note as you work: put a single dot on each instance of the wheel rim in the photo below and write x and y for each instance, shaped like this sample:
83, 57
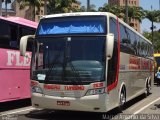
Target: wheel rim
122, 99
148, 88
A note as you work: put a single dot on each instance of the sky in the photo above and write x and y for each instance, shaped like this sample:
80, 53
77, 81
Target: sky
145, 4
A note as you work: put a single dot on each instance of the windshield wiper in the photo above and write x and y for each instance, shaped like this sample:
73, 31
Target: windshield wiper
55, 62
76, 74
66, 60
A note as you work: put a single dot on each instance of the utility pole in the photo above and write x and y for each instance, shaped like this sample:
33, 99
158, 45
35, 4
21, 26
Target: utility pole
152, 27
126, 8
159, 4
0, 7
88, 5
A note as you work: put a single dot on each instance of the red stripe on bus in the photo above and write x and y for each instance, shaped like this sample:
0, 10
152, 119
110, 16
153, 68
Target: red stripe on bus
113, 85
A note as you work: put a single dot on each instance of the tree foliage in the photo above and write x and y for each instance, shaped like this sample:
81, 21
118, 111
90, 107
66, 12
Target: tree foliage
60, 6
152, 15
133, 12
156, 39
31, 3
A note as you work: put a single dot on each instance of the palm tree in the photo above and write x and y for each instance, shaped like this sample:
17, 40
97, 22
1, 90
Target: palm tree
133, 12
33, 4
115, 9
153, 16
148, 35
92, 8
60, 6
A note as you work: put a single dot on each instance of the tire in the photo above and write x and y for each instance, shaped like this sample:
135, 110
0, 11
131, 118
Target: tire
122, 100
148, 88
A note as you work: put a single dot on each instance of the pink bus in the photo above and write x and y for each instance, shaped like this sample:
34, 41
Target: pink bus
14, 69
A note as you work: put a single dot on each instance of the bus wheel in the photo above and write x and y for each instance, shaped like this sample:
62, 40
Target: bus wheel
122, 100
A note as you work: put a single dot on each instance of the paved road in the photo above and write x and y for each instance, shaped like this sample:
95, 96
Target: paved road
137, 109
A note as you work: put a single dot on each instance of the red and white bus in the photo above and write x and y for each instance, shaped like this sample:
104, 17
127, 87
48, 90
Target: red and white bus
14, 69
88, 62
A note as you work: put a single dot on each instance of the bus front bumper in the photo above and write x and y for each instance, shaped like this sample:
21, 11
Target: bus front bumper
92, 103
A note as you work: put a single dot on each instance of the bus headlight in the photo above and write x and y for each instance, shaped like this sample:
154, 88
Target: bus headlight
36, 89
95, 91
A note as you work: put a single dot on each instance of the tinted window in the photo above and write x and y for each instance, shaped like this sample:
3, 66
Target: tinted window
132, 43
26, 31
70, 59
112, 63
10, 34
4, 35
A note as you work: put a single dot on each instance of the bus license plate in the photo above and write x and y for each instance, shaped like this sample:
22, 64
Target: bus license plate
63, 103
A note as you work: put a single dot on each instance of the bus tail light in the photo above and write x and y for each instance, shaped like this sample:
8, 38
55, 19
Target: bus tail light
36, 89
95, 91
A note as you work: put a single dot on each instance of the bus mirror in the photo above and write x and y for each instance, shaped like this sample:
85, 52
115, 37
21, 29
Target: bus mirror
109, 45
23, 43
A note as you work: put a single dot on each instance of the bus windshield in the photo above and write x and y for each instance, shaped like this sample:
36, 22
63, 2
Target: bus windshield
72, 25
69, 59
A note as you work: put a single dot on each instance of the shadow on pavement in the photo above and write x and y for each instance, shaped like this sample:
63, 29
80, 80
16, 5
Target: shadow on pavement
5, 106
69, 115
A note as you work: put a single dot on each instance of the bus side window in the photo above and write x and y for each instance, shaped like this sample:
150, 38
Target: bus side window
26, 31
132, 44
124, 39
13, 34
136, 44
112, 63
4, 35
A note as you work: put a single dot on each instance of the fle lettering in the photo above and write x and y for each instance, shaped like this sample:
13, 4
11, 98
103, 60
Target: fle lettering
15, 59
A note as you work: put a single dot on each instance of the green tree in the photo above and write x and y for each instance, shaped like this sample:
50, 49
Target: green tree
153, 16
92, 8
60, 6
148, 35
133, 12
33, 4
115, 9
83, 9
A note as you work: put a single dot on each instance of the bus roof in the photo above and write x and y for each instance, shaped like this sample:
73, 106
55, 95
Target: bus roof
20, 21
75, 14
